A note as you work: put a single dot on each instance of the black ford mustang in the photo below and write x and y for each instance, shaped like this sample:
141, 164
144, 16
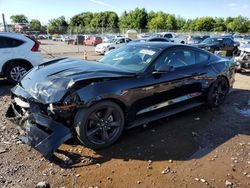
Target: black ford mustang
130, 86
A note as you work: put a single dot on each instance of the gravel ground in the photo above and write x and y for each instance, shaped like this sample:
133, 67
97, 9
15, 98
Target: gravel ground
198, 148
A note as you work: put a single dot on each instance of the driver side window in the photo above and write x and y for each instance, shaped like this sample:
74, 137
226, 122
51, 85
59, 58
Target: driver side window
177, 58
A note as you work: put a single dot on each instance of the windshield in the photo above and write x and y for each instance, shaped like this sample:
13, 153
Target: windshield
131, 58
212, 40
110, 40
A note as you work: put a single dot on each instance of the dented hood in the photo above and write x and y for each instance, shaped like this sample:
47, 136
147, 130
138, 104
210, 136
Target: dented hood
50, 81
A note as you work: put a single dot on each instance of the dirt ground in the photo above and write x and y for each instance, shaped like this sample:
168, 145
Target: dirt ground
198, 148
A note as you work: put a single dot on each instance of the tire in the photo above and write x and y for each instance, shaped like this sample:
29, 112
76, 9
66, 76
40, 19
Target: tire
16, 70
100, 125
217, 92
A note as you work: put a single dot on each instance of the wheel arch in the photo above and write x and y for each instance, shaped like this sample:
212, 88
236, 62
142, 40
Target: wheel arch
225, 77
121, 104
219, 76
20, 60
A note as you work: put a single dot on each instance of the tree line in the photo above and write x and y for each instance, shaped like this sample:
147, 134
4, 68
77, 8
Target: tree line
139, 19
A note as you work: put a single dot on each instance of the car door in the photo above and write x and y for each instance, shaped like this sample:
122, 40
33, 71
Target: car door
180, 84
6, 52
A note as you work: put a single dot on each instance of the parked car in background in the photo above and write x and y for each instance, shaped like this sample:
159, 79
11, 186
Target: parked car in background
56, 38
172, 36
130, 86
243, 60
93, 41
151, 39
76, 40
215, 44
65, 38
42, 37
245, 40
18, 54
111, 44
194, 39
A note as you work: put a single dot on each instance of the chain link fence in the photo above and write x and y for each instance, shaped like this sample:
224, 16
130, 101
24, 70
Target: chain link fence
75, 41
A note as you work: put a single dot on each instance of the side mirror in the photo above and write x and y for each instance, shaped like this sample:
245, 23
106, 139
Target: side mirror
164, 68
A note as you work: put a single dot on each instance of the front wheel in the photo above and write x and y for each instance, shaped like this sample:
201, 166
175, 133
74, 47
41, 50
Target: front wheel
100, 125
16, 71
217, 92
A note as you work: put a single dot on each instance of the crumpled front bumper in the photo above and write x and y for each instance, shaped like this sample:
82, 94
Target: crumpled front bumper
243, 61
40, 131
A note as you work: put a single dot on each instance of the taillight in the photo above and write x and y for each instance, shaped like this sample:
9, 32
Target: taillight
35, 48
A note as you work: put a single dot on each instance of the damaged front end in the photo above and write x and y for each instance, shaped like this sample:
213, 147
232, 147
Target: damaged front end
41, 131
243, 60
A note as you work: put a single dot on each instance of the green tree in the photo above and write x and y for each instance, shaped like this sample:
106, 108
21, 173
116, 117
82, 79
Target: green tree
189, 25
108, 20
19, 18
88, 22
171, 22
180, 22
239, 24
204, 24
80, 23
35, 25
58, 25
135, 19
220, 25
157, 21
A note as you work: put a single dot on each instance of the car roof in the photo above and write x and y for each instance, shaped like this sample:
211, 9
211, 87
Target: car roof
163, 45
221, 37
14, 35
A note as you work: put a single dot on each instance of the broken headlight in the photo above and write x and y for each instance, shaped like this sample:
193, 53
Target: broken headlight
71, 98
69, 103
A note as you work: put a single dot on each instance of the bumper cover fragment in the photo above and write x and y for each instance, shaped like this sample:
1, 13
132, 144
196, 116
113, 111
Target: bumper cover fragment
41, 132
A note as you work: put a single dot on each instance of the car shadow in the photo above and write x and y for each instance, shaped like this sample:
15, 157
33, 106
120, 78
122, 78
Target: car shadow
185, 136
245, 72
5, 87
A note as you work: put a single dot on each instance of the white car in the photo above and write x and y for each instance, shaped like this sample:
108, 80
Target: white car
172, 36
111, 44
18, 54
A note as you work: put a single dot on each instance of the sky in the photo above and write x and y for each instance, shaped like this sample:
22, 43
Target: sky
45, 10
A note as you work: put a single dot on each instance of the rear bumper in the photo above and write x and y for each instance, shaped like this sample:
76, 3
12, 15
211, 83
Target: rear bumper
40, 131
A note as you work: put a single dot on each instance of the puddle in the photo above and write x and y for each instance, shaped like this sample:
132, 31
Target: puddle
199, 153
243, 110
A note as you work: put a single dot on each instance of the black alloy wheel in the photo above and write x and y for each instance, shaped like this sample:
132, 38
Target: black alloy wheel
100, 125
218, 92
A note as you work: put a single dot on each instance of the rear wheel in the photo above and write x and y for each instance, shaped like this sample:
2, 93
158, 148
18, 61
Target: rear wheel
100, 125
16, 71
217, 92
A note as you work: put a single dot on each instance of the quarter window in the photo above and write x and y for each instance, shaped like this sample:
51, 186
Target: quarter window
201, 57
6, 42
